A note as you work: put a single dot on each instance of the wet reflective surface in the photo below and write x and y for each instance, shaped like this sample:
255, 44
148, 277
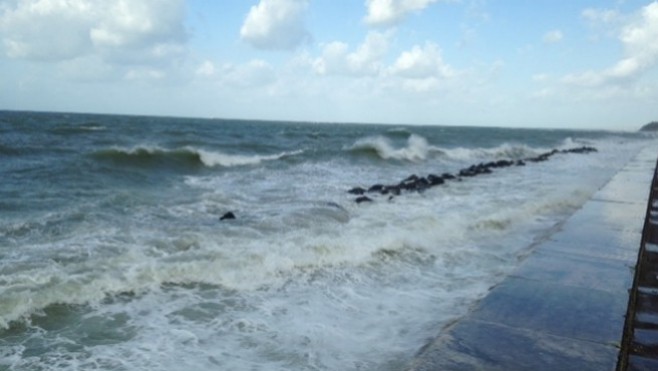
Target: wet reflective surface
565, 307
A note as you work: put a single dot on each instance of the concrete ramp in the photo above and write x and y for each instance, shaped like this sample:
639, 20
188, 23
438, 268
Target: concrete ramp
565, 307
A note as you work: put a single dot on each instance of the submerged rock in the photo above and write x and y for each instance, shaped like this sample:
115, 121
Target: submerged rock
228, 216
363, 199
357, 191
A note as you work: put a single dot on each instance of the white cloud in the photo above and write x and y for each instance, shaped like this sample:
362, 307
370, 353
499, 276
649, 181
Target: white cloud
552, 37
46, 30
88, 69
390, 12
57, 30
275, 24
640, 40
421, 69
540, 77
206, 69
605, 16
422, 62
365, 60
255, 73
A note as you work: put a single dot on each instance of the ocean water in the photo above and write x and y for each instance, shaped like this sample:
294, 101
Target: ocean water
113, 255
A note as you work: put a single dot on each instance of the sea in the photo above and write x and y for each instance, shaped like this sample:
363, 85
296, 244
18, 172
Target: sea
114, 254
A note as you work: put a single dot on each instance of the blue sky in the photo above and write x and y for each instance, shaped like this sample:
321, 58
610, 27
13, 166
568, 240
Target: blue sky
540, 63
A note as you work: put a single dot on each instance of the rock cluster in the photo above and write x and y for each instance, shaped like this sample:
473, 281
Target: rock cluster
415, 183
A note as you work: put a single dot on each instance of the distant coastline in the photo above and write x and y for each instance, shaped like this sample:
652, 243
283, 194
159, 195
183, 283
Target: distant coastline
652, 126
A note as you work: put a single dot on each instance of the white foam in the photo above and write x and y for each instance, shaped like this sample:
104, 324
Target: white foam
503, 151
214, 158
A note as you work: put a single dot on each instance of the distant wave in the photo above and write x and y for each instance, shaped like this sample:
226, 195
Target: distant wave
81, 129
221, 159
187, 156
503, 151
399, 132
417, 148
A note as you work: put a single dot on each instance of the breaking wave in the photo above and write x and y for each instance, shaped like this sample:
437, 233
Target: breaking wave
417, 148
187, 156
504, 151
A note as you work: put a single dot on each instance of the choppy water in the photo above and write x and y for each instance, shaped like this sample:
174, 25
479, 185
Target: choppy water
112, 255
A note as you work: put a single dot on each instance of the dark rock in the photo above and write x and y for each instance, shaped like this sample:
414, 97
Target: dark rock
447, 176
376, 188
467, 172
363, 199
394, 190
422, 184
435, 180
228, 216
583, 149
504, 163
520, 163
412, 178
357, 191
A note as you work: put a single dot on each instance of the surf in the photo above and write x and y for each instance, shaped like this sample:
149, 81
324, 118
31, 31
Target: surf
185, 157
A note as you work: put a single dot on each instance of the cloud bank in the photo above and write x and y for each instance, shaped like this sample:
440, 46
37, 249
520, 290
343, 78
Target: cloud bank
118, 31
276, 25
640, 41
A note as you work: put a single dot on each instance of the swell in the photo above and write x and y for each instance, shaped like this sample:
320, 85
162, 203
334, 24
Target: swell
186, 157
78, 129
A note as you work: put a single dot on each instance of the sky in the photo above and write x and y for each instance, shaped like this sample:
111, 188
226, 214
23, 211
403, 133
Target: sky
512, 63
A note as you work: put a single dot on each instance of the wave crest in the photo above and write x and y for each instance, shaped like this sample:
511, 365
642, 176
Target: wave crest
504, 151
417, 148
186, 156
221, 159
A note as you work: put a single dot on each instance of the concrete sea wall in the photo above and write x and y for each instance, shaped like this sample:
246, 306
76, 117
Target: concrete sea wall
565, 307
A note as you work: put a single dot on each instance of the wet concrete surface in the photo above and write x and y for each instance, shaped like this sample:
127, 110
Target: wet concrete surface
565, 307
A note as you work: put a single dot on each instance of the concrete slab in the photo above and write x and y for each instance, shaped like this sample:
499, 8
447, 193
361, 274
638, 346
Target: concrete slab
559, 310
476, 345
614, 215
577, 270
601, 229
616, 224
626, 186
599, 248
